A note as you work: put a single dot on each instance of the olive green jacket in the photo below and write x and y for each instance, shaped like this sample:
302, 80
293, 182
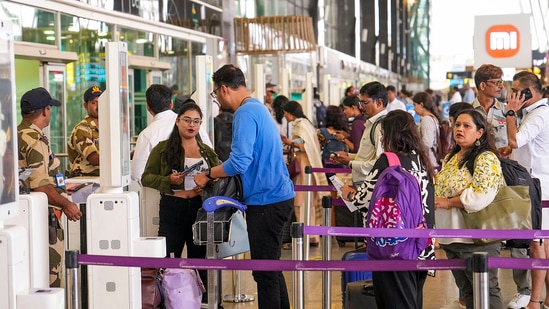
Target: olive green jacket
157, 172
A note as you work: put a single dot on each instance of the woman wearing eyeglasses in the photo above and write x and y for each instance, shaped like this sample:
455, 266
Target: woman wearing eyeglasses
179, 196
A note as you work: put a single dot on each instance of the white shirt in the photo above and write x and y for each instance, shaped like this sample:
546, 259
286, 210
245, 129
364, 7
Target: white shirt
456, 97
396, 104
158, 130
367, 153
533, 143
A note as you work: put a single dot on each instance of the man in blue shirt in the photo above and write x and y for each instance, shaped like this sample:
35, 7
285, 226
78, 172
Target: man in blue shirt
268, 191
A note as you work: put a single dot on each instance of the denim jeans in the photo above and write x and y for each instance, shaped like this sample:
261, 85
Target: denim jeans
265, 223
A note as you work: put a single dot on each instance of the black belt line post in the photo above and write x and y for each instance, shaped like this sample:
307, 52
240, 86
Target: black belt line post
71, 265
296, 231
481, 298
327, 254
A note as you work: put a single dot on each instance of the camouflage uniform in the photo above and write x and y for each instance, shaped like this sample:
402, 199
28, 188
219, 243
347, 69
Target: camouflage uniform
35, 152
83, 141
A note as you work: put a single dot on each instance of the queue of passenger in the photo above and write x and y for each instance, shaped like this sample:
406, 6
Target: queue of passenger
469, 177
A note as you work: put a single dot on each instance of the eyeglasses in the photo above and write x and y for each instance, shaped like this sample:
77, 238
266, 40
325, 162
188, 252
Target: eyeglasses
364, 103
213, 93
497, 82
189, 120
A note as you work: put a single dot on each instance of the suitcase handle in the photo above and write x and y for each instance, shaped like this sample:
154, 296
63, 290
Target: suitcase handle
213, 203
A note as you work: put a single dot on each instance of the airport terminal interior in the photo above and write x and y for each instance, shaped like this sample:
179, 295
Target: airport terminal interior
306, 50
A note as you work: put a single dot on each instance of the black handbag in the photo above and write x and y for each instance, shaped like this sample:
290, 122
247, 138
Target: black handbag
226, 186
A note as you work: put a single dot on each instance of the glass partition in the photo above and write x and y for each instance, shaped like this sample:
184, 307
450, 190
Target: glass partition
176, 52
87, 38
30, 24
139, 43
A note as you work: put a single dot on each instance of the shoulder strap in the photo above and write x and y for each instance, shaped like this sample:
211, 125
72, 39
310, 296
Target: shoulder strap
392, 158
373, 129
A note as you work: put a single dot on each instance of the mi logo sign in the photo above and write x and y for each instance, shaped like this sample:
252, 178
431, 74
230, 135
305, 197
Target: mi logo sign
502, 41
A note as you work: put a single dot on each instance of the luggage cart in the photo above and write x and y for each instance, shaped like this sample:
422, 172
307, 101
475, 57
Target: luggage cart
210, 205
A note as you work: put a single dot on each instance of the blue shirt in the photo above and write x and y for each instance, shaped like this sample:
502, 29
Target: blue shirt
257, 156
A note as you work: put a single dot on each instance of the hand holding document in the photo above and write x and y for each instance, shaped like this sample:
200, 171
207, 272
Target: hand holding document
338, 184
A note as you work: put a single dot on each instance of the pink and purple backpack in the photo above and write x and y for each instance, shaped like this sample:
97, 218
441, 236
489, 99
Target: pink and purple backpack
395, 204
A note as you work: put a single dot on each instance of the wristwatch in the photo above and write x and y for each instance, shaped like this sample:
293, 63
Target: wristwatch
510, 113
207, 172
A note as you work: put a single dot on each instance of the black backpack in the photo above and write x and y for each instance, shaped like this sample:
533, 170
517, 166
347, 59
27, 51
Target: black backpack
223, 135
517, 175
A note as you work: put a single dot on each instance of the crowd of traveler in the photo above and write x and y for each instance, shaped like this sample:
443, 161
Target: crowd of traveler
368, 122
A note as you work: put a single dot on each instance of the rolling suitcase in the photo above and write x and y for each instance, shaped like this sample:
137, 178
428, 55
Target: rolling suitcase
353, 276
360, 295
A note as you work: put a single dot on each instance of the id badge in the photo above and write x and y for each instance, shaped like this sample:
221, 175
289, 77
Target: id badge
60, 180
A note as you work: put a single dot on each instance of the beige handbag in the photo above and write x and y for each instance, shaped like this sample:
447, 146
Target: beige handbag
510, 210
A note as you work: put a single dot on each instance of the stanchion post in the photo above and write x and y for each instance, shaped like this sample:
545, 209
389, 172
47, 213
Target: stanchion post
307, 212
481, 298
296, 231
327, 254
236, 296
210, 254
71, 264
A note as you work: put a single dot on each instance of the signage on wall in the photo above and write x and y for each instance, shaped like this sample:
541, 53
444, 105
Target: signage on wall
503, 40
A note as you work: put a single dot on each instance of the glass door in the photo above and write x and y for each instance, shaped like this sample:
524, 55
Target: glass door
153, 77
54, 80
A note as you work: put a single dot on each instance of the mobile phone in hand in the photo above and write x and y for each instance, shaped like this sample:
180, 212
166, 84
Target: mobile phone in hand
526, 93
192, 167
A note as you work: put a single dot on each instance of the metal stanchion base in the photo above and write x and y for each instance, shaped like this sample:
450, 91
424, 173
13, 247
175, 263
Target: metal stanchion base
240, 298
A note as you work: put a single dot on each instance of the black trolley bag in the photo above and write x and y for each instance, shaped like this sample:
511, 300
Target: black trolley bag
360, 295
348, 277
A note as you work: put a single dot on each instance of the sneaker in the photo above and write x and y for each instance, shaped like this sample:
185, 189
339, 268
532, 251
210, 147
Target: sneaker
519, 301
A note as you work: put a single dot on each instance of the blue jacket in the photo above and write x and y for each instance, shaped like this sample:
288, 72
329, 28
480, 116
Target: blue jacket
257, 156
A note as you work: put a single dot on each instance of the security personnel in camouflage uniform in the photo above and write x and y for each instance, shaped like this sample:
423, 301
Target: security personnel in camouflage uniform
34, 152
83, 144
